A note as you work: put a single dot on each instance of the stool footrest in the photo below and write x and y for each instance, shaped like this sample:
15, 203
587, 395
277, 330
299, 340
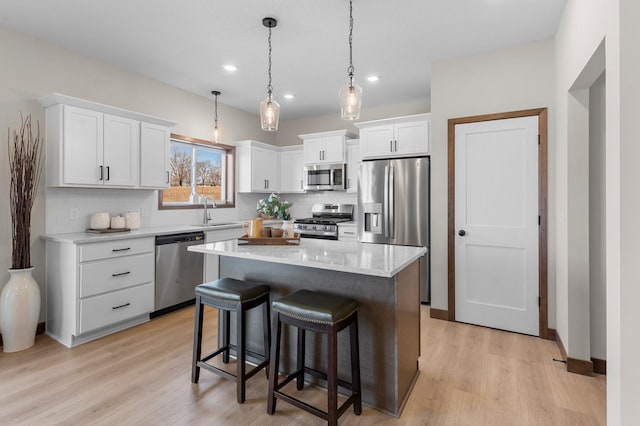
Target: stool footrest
314, 410
323, 376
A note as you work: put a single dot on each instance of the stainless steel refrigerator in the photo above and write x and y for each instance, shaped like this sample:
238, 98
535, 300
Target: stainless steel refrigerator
393, 207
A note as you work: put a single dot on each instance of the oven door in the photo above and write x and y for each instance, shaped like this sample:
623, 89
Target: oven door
325, 177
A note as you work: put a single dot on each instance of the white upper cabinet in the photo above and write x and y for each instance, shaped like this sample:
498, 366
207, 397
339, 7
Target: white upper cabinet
155, 150
121, 151
258, 166
354, 158
95, 145
325, 147
291, 169
395, 137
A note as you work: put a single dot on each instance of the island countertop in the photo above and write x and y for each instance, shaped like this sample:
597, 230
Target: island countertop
380, 260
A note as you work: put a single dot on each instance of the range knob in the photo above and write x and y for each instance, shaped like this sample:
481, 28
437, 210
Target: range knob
314, 227
327, 228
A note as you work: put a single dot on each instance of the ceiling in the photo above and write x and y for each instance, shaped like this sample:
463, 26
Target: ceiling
185, 43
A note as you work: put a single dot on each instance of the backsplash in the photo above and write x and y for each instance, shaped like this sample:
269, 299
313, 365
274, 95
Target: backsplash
63, 204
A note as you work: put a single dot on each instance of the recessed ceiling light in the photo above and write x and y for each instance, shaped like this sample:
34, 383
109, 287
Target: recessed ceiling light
288, 96
372, 78
230, 68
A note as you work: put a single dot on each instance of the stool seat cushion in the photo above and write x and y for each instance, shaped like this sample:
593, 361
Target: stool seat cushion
315, 306
232, 290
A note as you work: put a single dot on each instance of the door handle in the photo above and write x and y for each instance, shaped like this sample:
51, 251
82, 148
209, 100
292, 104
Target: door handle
390, 146
167, 177
101, 173
395, 144
108, 173
462, 232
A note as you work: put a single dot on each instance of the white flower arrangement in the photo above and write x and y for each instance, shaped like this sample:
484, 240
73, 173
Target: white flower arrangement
273, 206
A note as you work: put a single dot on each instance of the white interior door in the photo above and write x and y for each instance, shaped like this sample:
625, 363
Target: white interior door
496, 224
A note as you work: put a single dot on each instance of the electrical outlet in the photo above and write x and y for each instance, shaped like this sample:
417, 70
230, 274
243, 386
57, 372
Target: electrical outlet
73, 213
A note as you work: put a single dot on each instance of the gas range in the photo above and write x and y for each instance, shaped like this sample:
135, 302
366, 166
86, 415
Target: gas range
324, 223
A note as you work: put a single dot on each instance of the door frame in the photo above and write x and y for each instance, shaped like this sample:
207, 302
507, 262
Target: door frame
541, 113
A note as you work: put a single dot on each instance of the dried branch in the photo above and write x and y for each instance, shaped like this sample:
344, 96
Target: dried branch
25, 165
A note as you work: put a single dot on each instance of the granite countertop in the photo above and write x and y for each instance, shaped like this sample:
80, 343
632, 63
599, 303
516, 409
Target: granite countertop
381, 260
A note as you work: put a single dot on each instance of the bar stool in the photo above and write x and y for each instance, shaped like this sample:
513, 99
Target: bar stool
228, 294
319, 312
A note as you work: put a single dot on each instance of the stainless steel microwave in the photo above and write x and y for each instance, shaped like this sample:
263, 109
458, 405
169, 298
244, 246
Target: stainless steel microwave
325, 177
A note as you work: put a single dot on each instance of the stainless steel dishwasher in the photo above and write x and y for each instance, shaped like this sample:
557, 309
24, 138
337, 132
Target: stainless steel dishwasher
178, 271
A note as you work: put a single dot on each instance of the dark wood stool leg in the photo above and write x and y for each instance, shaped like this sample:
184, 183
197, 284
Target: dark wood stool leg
274, 361
226, 325
300, 358
332, 376
266, 330
355, 366
241, 334
197, 341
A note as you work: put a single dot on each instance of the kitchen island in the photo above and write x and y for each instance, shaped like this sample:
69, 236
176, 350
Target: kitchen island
384, 279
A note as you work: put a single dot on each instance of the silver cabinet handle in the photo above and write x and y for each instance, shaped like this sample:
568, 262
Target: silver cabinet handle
390, 146
121, 274
121, 306
396, 145
349, 233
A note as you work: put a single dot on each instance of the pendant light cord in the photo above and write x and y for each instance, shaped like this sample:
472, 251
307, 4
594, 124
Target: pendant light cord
215, 114
269, 87
350, 70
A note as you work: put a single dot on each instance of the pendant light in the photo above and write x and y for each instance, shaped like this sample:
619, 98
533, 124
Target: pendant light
269, 109
350, 93
216, 129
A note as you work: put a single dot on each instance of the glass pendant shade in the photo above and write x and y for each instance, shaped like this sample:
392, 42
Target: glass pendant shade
269, 114
216, 134
350, 101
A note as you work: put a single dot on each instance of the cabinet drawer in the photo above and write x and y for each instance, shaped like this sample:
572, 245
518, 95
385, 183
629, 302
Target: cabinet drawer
110, 308
115, 274
347, 232
118, 248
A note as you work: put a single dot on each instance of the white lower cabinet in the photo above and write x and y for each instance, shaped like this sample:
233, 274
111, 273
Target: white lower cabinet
95, 289
348, 232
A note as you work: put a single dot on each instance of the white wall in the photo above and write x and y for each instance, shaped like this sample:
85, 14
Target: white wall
584, 25
505, 80
33, 68
597, 216
288, 131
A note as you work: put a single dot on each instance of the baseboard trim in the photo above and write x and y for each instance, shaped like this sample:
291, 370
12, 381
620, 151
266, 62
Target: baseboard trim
574, 365
441, 314
551, 334
599, 366
39, 330
580, 366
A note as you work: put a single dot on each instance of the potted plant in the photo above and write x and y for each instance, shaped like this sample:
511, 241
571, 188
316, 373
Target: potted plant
20, 297
272, 207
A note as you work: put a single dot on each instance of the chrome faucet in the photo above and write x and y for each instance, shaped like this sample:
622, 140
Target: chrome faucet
206, 218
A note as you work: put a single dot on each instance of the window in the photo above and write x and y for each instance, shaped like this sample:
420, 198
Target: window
198, 168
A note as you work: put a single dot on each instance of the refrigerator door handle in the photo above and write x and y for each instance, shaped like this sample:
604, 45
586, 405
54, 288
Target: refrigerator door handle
385, 210
391, 206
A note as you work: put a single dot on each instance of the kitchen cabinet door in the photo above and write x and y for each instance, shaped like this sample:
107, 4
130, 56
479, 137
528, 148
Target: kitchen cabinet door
291, 171
121, 147
264, 170
377, 141
83, 147
353, 160
411, 138
333, 149
313, 151
155, 151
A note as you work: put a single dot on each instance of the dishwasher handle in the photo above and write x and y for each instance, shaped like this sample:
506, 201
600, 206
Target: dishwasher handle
180, 238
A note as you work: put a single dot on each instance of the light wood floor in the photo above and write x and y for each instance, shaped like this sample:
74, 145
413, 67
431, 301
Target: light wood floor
468, 376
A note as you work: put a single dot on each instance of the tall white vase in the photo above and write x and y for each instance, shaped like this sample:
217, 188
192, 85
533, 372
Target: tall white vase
19, 310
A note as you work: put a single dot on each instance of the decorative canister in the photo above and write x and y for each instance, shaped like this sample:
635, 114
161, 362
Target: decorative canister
99, 220
132, 220
117, 222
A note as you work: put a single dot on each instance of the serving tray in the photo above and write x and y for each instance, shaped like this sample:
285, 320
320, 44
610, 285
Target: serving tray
269, 241
107, 230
